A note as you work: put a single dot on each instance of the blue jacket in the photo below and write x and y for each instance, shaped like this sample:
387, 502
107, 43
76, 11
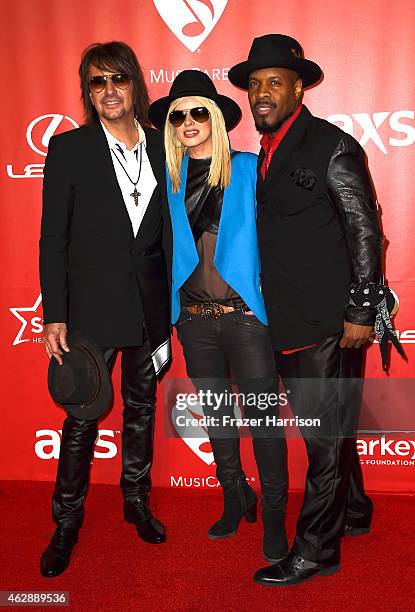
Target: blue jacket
236, 255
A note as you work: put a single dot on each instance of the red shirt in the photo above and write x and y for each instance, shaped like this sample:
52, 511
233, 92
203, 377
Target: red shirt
270, 143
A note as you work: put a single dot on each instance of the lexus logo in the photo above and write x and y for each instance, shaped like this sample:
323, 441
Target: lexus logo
40, 130
191, 21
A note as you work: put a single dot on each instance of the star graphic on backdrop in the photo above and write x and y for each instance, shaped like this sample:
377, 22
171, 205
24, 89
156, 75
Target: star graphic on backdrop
16, 312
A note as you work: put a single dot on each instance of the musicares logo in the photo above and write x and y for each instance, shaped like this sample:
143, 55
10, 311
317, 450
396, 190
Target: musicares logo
191, 21
195, 437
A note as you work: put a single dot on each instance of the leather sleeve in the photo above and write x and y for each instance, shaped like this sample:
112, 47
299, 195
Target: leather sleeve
54, 237
350, 190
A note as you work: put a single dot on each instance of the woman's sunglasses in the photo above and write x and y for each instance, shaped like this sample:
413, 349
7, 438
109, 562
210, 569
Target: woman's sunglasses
199, 114
98, 83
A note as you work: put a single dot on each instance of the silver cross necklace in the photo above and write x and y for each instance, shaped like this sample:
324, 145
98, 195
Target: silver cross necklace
135, 194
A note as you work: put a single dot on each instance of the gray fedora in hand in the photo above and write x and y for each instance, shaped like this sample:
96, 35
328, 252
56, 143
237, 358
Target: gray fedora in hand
82, 385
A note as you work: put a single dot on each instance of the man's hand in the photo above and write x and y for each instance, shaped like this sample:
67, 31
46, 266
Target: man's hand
54, 337
355, 336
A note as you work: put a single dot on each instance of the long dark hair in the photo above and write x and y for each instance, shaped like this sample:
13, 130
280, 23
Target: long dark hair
116, 57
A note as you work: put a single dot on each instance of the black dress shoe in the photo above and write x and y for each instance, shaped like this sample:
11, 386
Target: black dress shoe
293, 570
349, 530
55, 559
148, 527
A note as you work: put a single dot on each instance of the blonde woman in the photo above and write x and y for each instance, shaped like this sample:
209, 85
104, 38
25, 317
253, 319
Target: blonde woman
217, 303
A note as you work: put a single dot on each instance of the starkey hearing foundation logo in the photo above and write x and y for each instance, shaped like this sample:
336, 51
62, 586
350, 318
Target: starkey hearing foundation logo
38, 133
191, 21
30, 323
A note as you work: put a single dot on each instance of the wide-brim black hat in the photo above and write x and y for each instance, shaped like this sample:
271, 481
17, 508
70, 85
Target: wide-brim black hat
275, 51
194, 83
82, 385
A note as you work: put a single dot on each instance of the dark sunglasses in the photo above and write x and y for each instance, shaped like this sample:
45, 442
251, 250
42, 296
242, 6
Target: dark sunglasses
98, 83
199, 114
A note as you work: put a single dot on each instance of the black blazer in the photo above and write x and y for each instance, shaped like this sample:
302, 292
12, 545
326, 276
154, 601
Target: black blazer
318, 232
95, 275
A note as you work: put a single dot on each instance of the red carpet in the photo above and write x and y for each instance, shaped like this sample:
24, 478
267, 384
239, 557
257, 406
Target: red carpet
113, 570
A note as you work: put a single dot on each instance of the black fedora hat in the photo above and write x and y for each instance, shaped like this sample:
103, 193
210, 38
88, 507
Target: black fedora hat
275, 51
82, 385
194, 83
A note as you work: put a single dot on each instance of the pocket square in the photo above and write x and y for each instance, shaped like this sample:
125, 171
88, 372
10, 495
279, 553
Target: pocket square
304, 177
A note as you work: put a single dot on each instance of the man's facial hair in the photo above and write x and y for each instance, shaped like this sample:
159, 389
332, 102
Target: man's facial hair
270, 128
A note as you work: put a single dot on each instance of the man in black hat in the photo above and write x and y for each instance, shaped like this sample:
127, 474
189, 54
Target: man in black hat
320, 245
105, 238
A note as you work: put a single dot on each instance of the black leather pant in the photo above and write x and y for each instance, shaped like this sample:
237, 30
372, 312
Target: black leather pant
334, 492
238, 345
138, 390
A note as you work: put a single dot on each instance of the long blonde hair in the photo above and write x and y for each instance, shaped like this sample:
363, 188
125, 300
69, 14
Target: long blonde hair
220, 165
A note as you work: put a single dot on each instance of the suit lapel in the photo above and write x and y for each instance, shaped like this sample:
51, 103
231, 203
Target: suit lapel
109, 183
281, 158
155, 154
185, 258
102, 160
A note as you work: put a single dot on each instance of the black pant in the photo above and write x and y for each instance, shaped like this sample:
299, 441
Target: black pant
138, 389
321, 385
239, 345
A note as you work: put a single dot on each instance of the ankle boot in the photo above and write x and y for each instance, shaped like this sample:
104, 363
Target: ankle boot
239, 500
149, 529
56, 557
275, 545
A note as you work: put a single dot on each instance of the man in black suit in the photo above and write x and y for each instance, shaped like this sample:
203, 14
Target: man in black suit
105, 252
320, 246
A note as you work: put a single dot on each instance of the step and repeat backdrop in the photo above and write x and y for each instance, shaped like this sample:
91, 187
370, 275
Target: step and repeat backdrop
366, 50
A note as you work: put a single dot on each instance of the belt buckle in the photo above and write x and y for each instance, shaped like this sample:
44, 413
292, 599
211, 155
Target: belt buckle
210, 310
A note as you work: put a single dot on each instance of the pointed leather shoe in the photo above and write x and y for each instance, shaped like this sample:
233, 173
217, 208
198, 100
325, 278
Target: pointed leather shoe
349, 530
56, 557
148, 527
293, 570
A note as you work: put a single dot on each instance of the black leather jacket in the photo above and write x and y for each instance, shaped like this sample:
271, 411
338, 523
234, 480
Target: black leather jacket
353, 197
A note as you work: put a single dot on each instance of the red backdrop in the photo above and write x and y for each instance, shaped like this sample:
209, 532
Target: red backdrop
366, 50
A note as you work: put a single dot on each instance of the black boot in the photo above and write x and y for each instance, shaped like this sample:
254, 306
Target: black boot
148, 527
239, 500
77, 446
138, 388
56, 557
275, 546
270, 456
359, 507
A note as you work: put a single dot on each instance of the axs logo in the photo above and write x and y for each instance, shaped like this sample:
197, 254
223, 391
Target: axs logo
372, 125
49, 442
